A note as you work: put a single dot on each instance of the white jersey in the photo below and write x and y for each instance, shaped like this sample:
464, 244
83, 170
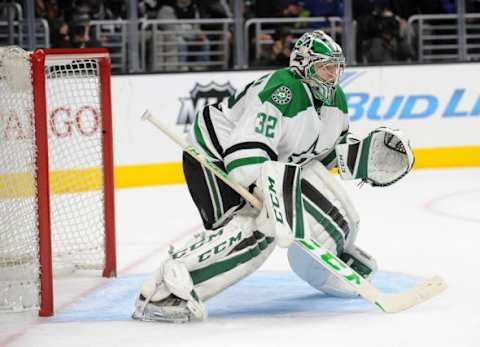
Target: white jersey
272, 118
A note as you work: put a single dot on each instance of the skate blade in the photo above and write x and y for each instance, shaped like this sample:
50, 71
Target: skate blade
159, 317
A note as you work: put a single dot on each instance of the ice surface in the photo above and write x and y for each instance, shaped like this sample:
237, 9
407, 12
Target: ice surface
427, 224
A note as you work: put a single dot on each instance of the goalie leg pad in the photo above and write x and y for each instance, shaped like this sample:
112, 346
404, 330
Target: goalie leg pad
200, 268
169, 296
360, 261
315, 274
321, 279
332, 217
223, 263
299, 203
282, 215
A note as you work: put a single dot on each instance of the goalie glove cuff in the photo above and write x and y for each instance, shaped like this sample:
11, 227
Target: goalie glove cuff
347, 154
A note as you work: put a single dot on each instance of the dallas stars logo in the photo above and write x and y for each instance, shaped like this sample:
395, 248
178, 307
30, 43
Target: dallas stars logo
200, 96
309, 153
282, 95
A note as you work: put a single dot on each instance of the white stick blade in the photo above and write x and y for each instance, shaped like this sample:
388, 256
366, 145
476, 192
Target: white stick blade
420, 293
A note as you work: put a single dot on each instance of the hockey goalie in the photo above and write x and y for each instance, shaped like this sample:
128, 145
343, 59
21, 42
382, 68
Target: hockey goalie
277, 137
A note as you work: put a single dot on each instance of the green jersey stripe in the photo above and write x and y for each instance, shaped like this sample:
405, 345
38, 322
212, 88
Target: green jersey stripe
244, 161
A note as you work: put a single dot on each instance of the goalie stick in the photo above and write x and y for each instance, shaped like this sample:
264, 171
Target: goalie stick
389, 303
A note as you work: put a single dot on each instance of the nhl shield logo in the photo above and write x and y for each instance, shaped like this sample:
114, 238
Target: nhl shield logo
200, 96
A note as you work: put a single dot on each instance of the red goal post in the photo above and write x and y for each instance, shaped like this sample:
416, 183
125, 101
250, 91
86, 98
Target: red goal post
56, 187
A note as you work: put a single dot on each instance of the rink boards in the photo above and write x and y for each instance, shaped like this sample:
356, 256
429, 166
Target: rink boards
436, 105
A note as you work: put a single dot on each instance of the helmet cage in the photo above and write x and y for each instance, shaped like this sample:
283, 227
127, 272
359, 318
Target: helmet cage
324, 89
318, 48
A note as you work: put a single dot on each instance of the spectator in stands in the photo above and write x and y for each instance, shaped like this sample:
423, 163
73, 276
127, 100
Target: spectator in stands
118, 8
81, 14
59, 30
61, 38
273, 55
265, 8
189, 37
279, 55
295, 9
217, 9
81, 37
148, 9
473, 6
99, 10
372, 17
81, 34
324, 8
40, 8
386, 44
214, 9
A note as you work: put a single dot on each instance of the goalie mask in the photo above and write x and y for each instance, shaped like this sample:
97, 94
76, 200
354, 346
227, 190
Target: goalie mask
319, 61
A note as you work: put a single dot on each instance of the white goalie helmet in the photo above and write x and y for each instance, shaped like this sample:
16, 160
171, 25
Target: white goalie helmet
320, 62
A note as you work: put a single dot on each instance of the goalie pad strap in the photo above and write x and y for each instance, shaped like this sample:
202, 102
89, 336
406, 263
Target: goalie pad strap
338, 203
325, 216
292, 196
326, 206
360, 261
361, 268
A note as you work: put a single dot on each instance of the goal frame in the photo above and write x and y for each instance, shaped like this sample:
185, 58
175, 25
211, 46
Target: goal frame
38, 60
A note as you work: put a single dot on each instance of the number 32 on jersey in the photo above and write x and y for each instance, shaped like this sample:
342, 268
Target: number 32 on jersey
266, 125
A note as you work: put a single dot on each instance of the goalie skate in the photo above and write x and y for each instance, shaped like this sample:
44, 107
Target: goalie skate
172, 309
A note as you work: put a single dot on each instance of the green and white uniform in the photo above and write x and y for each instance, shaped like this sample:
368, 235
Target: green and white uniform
289, 116
273, 118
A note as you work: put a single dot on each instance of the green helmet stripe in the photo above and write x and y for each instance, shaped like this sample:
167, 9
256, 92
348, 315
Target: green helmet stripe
321, 48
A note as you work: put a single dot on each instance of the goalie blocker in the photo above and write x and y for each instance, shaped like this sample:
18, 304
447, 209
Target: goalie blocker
295, 204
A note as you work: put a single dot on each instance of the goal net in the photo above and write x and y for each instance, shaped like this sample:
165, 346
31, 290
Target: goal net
56, 171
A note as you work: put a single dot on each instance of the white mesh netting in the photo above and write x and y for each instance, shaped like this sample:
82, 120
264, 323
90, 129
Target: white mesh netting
18, 237
75, 173
75, 162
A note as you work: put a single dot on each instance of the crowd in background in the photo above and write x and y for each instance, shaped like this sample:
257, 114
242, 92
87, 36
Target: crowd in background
381, 25
69, 19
